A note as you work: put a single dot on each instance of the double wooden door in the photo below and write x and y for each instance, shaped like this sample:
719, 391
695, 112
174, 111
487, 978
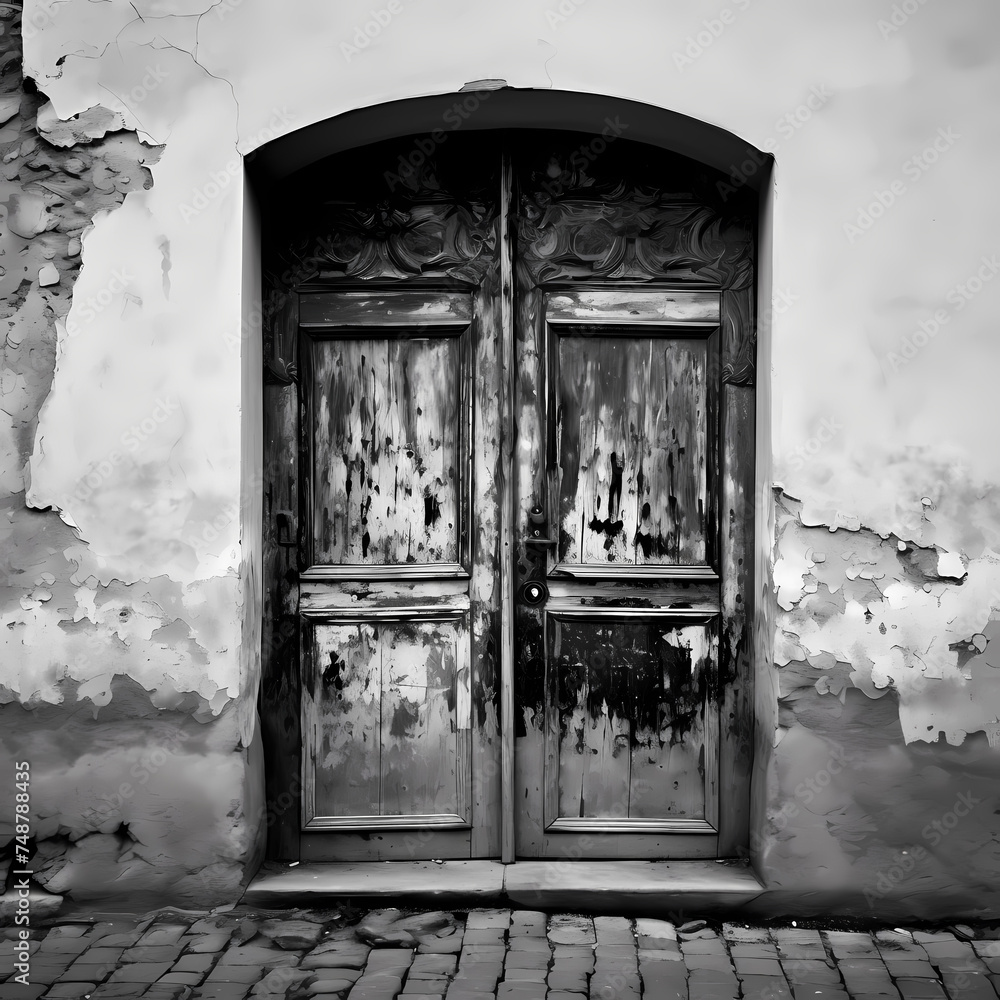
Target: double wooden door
509, 440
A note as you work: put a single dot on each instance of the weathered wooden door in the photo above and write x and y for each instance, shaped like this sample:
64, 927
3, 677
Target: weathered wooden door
625, 286
510, 431
385, 445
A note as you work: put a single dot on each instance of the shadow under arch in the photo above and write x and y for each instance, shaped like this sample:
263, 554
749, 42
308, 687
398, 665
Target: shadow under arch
509, 107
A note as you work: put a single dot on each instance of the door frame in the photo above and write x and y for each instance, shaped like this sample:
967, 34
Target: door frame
745, 350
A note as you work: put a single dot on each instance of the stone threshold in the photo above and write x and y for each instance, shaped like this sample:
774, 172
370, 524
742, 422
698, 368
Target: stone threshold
625, 887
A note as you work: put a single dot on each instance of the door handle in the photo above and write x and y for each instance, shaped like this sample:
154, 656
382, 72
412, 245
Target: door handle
533, 540
284, 530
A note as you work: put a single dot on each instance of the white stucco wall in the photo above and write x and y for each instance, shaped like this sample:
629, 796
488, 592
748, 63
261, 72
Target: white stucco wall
884, 108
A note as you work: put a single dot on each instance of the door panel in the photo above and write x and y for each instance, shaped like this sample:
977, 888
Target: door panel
387, 433
387, 420
628, 721
389, 697
632, 420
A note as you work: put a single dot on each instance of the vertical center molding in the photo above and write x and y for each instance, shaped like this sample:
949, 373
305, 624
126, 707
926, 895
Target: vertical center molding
506, 500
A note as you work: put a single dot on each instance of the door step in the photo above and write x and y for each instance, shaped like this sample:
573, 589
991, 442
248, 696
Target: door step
633, 887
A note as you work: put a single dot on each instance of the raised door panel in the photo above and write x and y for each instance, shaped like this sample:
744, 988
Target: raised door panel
388, 429
389, 697
634, 432
630, 730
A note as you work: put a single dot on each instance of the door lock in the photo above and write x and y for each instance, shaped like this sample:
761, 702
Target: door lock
534, 593
536, 528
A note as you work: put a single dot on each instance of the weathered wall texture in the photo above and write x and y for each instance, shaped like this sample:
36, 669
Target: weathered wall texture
880, 711
120, 684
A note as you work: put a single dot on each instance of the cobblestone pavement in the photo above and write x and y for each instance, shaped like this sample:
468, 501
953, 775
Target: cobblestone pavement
516, 954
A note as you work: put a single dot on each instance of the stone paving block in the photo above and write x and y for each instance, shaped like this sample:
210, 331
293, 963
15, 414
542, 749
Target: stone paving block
911, 968
338, 954
114, 991
765, 988
464, 994
524, 975
430, 984
968, 963
169, 991
376, 988
236, 974
851, 944
756, 950
574, 982
720, 962
389, 958
526, 960
803, 948
616, 952
449, 945
222, 991
614, 930
659, 955
62, 945
329, 987
104, 928
528, 922
945, 948
160, 934
704, 946
482, 953
700, 977
152, 953
539, 945
471, 970
186, 978
664, 980
322, 975
70, 991
194, 963
571, 929
140, 972
648, 927
758, 967
249, 954
205, 944
435, 965
920, 989
520, 991
482, 919
101, 956
484, 936
86, 973
280, 981
804, 970
30, 992
575, 963
968, 986
715, 991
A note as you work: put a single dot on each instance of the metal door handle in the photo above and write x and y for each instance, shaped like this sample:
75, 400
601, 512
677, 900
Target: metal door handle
285, 533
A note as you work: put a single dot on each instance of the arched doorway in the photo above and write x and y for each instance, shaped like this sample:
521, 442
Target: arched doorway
509, 438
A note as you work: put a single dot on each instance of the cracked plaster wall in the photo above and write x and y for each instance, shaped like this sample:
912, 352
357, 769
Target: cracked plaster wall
881, 691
